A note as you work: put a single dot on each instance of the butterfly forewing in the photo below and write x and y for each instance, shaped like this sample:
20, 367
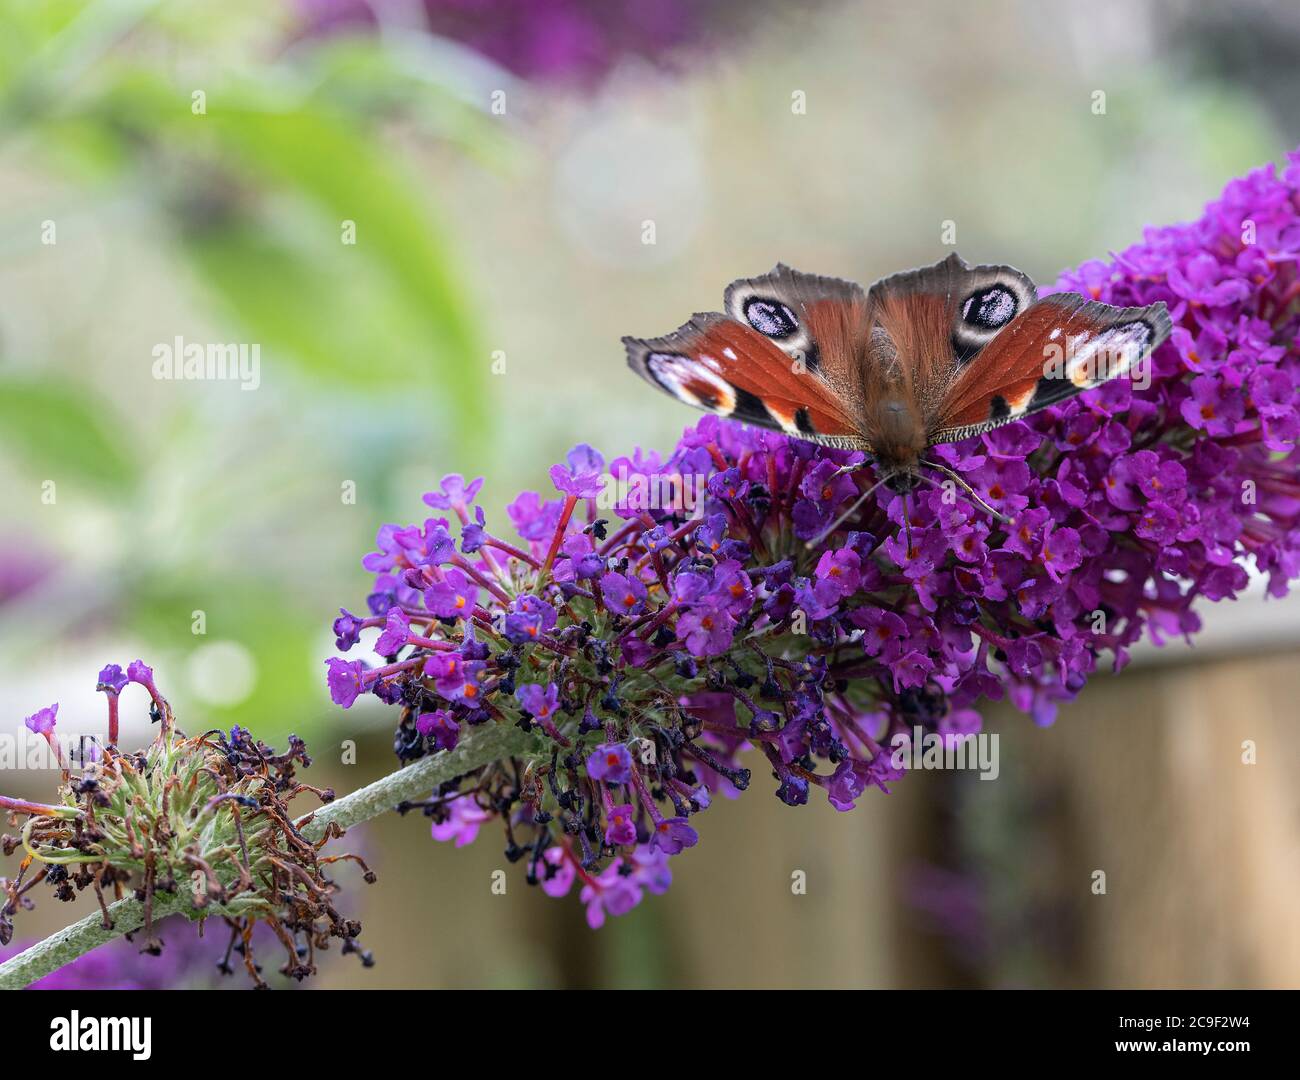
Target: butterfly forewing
1059, 347
719, 365
785, 355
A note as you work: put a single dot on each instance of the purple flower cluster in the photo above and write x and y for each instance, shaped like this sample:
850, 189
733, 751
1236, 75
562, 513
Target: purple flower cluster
651, 643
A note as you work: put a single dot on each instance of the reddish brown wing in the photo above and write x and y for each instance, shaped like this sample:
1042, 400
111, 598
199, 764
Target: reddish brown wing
819, 321
936, 321
786, 356
1059, 347
716, 364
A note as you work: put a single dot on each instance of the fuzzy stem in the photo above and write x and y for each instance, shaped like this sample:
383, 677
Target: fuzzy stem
480, 747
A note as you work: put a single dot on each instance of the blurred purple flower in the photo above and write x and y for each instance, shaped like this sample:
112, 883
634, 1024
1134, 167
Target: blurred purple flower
560, 41
187, 961
22, 567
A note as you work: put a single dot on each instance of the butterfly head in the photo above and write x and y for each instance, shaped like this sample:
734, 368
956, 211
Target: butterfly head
902, 480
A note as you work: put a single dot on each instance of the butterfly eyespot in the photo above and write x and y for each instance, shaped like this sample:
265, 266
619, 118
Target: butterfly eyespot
1138, 333
990, 309
770, 317
692, 381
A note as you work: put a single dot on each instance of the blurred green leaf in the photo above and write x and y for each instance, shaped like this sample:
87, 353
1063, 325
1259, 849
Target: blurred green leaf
58, 426
348, 328
421, 85
348, 176
260, 186
47, 47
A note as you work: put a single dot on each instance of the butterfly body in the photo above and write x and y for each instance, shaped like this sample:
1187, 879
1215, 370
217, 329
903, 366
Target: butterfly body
923, 357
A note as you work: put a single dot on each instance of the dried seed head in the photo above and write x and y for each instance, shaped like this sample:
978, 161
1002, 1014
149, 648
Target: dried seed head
206, 817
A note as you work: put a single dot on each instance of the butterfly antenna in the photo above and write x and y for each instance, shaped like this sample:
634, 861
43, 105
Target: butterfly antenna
966, 487
846, 515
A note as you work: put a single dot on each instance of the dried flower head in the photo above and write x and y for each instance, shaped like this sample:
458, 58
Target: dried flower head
204, 818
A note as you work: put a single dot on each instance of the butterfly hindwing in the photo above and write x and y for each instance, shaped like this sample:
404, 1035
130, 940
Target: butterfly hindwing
1058, 347
939, 318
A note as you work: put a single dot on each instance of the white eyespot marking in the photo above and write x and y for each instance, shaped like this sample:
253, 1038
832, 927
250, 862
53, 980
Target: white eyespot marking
1134, 337
770, 317
695, 382
990, 309
1094, 359
729, 353
758, 304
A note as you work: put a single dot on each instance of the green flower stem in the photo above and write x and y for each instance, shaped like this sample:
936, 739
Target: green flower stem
480, 747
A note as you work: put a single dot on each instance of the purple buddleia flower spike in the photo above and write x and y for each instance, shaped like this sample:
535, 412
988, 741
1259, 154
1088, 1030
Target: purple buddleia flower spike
658, 655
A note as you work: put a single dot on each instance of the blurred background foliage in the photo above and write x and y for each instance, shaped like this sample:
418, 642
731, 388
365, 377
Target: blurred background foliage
499, 163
